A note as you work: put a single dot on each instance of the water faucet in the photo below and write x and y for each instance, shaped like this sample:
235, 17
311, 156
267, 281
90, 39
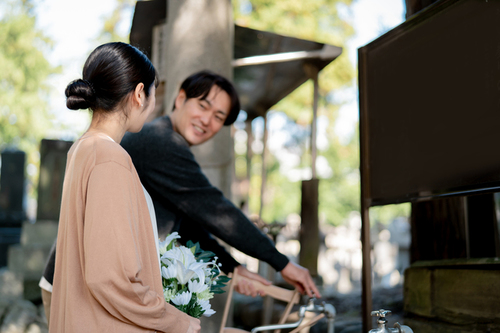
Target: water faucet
382, 322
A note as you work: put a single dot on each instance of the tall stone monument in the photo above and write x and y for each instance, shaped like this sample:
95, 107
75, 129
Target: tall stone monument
199, 35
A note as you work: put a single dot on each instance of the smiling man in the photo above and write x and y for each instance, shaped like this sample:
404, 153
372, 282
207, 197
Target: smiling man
197, 118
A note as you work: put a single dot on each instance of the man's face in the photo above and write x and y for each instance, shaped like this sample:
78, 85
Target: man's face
197, 120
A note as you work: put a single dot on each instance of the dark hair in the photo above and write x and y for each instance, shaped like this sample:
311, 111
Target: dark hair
111, 72
198, 85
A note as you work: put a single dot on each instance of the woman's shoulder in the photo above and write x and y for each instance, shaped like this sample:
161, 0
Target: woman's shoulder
104, 150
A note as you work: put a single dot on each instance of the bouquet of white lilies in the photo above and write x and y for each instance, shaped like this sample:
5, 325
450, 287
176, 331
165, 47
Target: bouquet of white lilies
190, 276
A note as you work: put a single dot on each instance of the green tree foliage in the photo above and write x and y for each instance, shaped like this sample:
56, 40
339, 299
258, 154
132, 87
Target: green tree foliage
24, 114
110, 31
317, 20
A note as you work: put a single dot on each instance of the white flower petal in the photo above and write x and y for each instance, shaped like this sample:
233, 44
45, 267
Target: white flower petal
196, 287
169, 272
205, 305
163, 245
183, 274
182, 299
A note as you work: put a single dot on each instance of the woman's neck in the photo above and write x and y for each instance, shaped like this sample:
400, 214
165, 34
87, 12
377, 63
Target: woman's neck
112, 124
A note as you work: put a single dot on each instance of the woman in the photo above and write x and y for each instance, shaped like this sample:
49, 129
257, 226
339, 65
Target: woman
107, 276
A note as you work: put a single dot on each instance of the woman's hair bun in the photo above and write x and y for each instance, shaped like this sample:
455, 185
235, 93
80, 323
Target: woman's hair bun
80, 94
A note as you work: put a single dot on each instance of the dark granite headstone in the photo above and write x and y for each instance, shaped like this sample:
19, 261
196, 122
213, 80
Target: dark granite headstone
53, 155
12, 189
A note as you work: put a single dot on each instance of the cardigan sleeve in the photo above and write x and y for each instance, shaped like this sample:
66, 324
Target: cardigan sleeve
177, 178
112, 253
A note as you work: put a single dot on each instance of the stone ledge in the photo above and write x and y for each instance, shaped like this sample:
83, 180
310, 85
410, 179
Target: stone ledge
454, 292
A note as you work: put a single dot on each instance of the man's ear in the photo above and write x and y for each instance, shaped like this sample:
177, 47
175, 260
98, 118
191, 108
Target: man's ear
180, 99
139, 96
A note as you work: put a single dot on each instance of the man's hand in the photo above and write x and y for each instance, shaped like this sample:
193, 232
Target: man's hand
300, 278
245, 287
194, 325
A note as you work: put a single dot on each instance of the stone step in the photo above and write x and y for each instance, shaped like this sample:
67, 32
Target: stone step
19, 316
42, 232
11, 287
28, 260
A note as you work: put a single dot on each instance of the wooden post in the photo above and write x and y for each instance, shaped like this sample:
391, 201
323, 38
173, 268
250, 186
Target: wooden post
263, 169
366, 272
309, 230
314, 76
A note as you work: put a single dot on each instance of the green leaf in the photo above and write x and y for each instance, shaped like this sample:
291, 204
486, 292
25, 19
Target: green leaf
224, 278
205, 255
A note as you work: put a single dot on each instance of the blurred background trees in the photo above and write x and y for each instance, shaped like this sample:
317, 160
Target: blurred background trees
289, 121
24, 92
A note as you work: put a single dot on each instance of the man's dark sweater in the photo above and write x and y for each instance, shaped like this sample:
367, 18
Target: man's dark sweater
186, 202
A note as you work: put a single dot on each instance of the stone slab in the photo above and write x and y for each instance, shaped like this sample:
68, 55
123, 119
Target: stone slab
457, 295
417, 291
432, 326
467, 296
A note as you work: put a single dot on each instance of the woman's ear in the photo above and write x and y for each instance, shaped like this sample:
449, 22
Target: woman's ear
139, 95
180, 99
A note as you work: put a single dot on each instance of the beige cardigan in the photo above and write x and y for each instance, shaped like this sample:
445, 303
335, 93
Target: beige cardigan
106, 276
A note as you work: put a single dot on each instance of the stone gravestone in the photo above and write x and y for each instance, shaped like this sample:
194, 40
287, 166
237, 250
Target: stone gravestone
52, 166
12, 190
27, 260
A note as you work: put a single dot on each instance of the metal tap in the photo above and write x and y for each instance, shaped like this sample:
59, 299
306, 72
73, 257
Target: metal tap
382, 322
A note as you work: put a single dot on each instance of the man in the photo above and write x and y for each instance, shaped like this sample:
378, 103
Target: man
183, 198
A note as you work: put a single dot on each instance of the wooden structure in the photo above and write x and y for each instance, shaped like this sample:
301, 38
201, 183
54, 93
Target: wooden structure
429, 117
308, 315
291, 297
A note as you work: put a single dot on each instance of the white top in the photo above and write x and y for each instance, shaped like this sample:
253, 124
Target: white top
153, 222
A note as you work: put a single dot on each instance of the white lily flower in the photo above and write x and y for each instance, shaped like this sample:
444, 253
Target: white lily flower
182, 254
205, 305
183, 274
199, 269
182, 298
163, 245
169, 272
197, 287
186, 262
